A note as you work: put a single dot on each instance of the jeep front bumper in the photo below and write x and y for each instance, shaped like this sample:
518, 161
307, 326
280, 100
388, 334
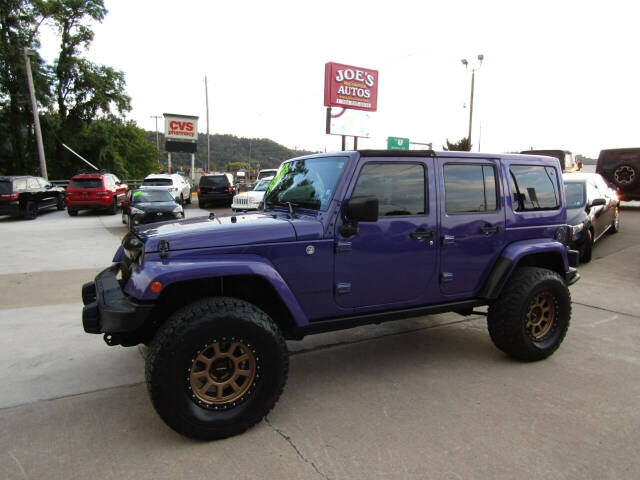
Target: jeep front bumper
108, 310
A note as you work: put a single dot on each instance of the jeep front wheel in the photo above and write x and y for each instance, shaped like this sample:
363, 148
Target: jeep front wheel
216, 368
530, 318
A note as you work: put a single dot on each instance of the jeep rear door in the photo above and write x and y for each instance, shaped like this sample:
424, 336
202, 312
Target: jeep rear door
472, 223
391, 261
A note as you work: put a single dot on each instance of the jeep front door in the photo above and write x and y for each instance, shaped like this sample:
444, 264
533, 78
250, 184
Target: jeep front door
472, 224
393, 260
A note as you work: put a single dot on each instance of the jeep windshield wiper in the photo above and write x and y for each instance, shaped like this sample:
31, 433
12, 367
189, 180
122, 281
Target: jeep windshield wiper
292, 212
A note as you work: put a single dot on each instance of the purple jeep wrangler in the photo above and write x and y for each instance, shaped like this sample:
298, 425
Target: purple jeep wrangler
341, 240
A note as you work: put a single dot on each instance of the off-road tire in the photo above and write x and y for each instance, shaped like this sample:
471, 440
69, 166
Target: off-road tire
507, 315
586, 251
188, 331
72, 212
181, 199
130, 224
113, 208
615, 224
60, 205
189, 199
30, 211
624, 171
124, 218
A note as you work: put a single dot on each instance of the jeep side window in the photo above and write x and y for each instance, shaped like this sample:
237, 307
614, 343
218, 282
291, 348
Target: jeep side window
534, 188
399, 188
470, 188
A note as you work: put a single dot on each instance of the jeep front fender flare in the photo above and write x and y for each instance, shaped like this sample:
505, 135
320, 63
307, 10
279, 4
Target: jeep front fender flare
183, 269
514, 254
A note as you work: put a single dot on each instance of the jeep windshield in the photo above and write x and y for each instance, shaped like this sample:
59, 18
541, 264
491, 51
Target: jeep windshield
308, 183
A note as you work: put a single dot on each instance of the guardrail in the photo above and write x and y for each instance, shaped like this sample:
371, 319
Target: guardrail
131, 183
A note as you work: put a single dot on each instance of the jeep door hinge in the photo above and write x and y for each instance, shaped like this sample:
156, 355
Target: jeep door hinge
342, 247
342, 288
446, 277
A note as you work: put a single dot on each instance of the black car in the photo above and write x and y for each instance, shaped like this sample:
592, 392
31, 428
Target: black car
26, 196
592, 211
149, 206
216, 188
621, 167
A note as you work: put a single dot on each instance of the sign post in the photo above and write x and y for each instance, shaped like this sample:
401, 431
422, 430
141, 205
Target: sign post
397, 143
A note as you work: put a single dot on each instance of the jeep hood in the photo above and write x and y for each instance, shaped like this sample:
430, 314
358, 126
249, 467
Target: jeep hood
218, 231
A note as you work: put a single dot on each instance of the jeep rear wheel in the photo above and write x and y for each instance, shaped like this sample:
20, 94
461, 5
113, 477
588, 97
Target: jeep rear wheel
216, 368
625, 175
530, 318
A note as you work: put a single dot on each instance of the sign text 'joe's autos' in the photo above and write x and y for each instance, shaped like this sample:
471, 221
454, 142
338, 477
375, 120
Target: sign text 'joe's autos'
347, 86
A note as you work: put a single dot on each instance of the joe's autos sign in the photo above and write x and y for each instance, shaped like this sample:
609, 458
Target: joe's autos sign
350, 87
182, 127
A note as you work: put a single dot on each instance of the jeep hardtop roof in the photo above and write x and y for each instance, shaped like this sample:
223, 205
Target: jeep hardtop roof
522, 158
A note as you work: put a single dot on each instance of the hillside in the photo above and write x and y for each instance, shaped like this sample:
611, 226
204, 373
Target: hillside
258, 152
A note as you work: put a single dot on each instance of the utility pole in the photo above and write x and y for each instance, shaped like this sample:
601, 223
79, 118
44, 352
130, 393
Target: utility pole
36, 116
157, 134
206, 95
473, 77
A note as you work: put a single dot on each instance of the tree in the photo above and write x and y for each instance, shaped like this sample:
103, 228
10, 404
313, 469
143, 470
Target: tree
19, 23
235, 166
463, 145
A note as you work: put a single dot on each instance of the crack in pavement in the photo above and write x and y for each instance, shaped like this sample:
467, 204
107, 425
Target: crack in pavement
606, 309
287, 438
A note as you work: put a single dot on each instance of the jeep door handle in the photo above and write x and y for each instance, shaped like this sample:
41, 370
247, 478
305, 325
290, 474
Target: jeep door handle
419, 234
489, 230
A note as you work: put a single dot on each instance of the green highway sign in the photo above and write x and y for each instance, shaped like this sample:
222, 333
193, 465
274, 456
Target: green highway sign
397, 143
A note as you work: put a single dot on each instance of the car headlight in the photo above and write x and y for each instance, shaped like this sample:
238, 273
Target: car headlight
178, 209
136, 211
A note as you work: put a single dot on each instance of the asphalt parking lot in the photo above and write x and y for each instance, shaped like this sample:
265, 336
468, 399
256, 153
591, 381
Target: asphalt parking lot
427, 398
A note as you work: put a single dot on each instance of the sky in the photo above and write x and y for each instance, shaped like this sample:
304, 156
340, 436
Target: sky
555, 74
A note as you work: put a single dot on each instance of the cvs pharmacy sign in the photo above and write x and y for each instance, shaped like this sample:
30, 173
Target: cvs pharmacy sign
183, 127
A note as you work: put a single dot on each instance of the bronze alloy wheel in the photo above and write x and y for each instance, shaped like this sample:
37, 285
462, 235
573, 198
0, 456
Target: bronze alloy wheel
541, 315
223, 373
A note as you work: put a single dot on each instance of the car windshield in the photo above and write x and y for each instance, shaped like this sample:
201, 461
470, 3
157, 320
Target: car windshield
85, 183
262, 185
308, 183
151, 196
157, 182
214, 181
5, 186
575, 194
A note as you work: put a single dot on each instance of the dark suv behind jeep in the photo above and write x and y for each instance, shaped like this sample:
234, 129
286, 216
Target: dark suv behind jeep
216, 188
621, 167
26, 196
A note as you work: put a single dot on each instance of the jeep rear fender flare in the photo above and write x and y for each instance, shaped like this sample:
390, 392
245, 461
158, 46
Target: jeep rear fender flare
183, 270
535, 252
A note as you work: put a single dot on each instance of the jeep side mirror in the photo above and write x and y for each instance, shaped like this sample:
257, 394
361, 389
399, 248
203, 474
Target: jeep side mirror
362, 209
597, 201
359, 209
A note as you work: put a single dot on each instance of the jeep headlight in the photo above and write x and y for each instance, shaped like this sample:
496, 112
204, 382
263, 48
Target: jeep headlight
178, 209
136, 211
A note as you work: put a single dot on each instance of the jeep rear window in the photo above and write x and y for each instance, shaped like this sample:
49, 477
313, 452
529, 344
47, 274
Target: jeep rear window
470, 188
217, 181
534, 187
157, 182
399, 188
85, 183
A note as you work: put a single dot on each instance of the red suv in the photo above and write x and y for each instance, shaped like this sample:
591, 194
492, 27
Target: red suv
95, 191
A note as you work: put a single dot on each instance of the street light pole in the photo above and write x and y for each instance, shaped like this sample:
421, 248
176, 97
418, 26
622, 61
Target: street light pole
156, 117
36, 117
473, 78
